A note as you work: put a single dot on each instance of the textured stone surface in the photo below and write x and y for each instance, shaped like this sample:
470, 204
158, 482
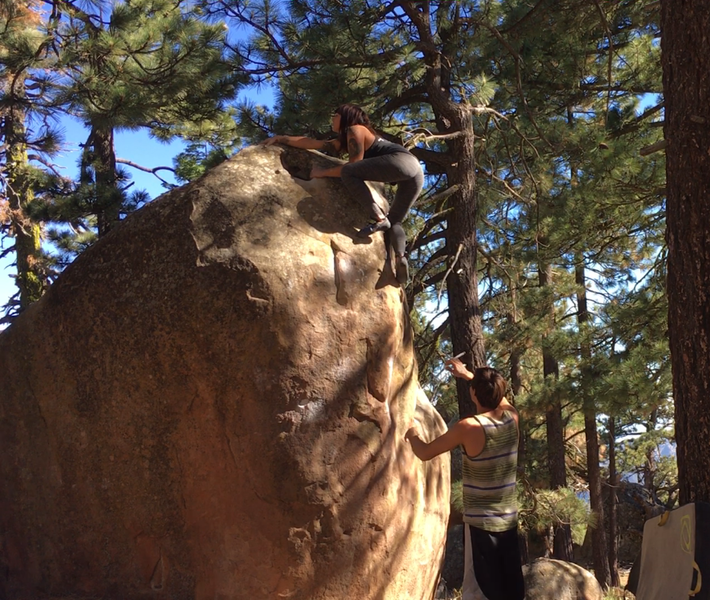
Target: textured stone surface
210, 403
452, 571
546, 579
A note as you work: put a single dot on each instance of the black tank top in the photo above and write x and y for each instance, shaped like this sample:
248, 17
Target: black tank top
382, 147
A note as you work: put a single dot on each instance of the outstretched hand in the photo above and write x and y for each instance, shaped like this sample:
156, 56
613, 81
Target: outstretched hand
277, 139
458, 369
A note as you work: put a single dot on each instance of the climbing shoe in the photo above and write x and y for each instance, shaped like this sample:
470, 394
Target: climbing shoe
382, 225
401, 270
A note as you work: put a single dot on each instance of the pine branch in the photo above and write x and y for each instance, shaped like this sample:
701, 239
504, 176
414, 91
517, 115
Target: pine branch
431, 262
525, 17
449, 271
634, 125
656, 147
50, 165
153, 171
610, 51
518, 80
441, 159
412, 95
9, 250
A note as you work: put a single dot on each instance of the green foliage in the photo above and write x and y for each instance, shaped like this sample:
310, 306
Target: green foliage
26, 141
457, 496
549, 508
195, 160
149, 63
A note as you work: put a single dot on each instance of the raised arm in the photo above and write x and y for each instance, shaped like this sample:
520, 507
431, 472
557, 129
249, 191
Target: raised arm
300, 141
458, 369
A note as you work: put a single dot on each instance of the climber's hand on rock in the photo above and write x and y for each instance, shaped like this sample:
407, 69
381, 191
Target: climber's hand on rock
277, 139
415, 429
412, 432
317, 173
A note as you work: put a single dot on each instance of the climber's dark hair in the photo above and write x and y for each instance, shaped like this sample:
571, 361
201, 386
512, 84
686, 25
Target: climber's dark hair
350, 114
489, 386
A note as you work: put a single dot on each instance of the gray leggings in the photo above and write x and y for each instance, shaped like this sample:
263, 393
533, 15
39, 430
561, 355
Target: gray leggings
401, 168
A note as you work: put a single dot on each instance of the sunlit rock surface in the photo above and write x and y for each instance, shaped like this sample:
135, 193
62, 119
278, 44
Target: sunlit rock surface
210, 403
547, 578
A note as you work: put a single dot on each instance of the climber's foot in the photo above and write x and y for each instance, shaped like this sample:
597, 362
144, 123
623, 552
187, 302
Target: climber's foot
401, 270
382, 225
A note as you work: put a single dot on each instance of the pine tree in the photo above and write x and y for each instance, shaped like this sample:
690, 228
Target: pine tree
26, 138
140, 64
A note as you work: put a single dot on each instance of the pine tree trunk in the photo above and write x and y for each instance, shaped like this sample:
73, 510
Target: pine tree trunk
516, 386
108, 195
599, 542
612, 533
686, 87
516, 383
555, 432
462, 282
649, 467
453, 116
27, 234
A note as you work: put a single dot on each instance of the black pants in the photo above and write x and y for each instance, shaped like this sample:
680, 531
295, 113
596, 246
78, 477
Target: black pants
496, 563
401, 168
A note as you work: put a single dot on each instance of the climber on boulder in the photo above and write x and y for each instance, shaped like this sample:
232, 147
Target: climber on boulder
370, 158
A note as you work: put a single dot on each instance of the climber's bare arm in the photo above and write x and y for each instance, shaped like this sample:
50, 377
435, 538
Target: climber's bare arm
467, 432
357, 138
356, 151
299, 141
318, 173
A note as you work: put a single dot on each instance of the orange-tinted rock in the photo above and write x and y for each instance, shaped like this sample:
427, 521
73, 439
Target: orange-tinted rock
210, 403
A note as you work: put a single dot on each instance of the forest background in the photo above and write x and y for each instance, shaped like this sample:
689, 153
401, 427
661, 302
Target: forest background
537, 245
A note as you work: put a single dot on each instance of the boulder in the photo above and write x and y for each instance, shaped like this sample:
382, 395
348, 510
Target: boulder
452, 570
210, 402
547, 578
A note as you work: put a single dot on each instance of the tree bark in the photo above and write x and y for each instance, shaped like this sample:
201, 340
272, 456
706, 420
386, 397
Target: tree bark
599, 540
650, 467
27, 234
555, 431
686, 84
108, 196
453, 116
462, 282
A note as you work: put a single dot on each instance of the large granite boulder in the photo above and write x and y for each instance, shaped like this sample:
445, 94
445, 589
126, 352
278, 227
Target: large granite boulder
546, 579
211, 401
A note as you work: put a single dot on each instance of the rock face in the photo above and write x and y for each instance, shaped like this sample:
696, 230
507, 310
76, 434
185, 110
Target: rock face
210, 403
546, 579
452, 570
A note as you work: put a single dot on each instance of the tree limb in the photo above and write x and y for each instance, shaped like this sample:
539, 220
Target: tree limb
153, 171
657, 147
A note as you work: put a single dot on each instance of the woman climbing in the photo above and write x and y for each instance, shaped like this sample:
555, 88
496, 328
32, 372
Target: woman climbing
370, 158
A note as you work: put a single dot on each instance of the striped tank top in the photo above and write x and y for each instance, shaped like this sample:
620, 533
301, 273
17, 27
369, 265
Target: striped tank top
489, 497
